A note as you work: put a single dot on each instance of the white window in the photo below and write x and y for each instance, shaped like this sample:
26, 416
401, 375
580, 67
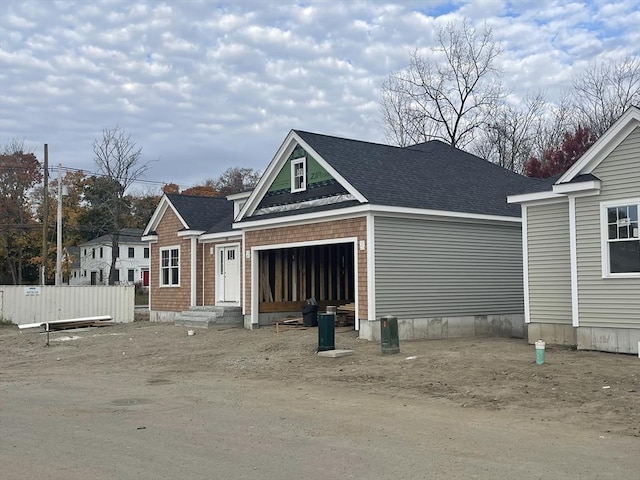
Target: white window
131, 275
620, 238
299, 174
170, 267
131, 253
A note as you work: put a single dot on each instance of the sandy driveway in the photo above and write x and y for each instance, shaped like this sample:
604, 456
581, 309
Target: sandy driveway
146, 401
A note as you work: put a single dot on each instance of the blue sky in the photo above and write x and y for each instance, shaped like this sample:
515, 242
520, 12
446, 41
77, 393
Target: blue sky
203, 86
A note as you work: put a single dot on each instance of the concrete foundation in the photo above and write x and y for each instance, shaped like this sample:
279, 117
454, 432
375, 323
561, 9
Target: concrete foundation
163, 316
552, 333
615, 340
509, 326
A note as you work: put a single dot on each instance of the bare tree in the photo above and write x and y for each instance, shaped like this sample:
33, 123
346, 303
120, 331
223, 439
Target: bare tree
447, 96
119, 159
605, 90
508, 139
235, 180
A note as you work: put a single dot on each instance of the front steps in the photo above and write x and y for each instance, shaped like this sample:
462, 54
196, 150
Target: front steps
209, 316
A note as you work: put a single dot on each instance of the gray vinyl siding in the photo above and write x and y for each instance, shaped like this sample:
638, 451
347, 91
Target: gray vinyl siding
549, 263
607, 302
432, 268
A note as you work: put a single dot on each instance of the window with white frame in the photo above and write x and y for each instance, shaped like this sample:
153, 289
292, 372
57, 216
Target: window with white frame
131, 252
299, 174
620, 238
131, 275
170, 267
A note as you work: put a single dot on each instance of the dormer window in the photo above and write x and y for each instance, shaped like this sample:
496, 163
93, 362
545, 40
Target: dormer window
299, 175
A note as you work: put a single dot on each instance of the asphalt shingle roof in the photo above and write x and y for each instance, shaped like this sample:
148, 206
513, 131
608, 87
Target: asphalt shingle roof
209, 214
127, 235
431, 175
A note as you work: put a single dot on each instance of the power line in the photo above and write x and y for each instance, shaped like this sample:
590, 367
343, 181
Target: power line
159, 183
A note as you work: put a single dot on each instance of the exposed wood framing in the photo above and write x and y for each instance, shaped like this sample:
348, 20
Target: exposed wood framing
289, 276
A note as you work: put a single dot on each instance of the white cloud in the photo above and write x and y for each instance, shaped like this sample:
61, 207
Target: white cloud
205, 86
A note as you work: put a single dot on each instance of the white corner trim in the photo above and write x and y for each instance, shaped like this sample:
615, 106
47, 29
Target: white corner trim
193, 274
573, 255
243, 276
371, 268
356, 262
255, 314
525, 266
592, 186
204, 269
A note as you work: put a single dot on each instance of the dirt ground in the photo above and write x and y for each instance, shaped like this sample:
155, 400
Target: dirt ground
593, 390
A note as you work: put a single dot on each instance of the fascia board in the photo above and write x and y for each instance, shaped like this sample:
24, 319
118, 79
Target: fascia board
267, 177
531, 197
419, 212
302, 218
375, 209
350, 188
150, 238
213, 237
604, 145
238, 196
276, 164
159, 213
591, 185
190, 233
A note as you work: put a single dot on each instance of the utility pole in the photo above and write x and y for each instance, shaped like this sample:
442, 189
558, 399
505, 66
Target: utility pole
59, 230
45, 209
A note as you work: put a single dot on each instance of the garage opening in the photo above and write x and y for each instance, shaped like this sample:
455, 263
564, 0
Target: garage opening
287, 277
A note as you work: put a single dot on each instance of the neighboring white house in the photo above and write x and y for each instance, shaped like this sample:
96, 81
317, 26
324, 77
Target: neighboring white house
132, 265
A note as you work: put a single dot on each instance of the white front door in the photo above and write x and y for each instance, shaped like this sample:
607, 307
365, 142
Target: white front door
228, 278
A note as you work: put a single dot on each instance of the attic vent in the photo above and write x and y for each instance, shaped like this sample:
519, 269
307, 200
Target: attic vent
299, 174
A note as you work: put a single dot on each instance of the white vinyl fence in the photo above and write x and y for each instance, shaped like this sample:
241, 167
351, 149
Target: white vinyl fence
23, 304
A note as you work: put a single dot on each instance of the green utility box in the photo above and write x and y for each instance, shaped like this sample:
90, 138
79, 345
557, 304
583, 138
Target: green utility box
389, 335
326, 332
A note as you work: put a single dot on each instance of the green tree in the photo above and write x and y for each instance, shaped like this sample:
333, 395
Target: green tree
20, 171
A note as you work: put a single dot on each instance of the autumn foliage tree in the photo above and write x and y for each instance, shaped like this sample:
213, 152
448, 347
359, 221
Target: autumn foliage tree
236, 180
557, 160
19, 232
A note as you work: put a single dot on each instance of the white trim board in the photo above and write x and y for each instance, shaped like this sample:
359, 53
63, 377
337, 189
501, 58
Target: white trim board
255, 314
327, 215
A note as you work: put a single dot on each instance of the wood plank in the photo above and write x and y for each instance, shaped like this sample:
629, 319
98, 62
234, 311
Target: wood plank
278, 276
99, 318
